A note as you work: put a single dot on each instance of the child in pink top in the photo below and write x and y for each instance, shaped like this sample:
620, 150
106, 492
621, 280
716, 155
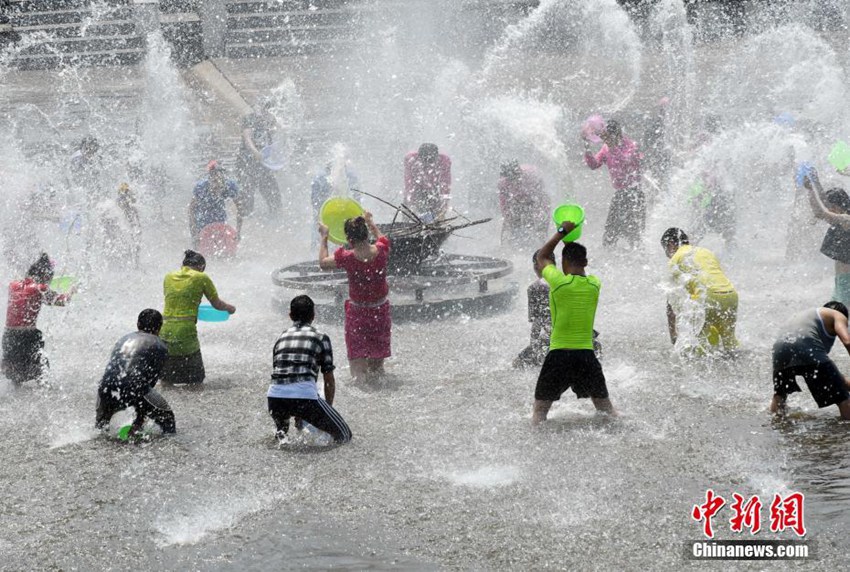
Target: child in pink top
627, 213
368, 320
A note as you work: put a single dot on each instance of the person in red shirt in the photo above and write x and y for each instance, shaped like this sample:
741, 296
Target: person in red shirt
23, 344
524, 205
368, 321
427, 182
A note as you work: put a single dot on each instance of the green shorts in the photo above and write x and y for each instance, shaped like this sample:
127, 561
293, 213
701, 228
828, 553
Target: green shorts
181, 337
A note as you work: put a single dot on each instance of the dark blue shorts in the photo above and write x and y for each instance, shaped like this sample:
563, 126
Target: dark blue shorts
825, 382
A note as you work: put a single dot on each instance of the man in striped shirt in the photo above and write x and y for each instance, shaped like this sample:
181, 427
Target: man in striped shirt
299, 354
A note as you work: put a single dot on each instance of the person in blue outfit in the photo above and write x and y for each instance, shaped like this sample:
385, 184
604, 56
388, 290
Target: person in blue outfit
209, 200
134, 367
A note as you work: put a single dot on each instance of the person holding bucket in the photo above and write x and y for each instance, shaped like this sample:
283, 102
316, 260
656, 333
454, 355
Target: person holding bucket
23, 344
368, 318
258, 131
627, 213
540, 318
208, 216
573, 297
832, 206
183, 291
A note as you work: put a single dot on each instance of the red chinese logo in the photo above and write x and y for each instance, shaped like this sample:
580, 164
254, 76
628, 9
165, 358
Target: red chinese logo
706, 511
785, 513
747, 515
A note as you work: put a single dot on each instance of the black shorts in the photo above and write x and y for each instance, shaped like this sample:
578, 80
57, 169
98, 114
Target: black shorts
825, 382
188, 369
23, 355
150, 405
565, 369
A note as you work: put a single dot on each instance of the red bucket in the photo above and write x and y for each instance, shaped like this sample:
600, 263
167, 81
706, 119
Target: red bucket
218, 239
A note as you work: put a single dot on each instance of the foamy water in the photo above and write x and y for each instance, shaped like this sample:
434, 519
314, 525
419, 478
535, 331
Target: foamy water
444, 470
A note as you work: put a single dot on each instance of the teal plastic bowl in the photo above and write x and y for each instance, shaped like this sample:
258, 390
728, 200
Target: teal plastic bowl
573, 214
207, 313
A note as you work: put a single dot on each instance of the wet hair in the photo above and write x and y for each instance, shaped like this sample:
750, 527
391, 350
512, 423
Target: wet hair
613, 128
536, 252
428, 151
356, 230
674, 235
575, 253
302, 309
41, 270
837, 197
838, 306
149, 321
511, 169
193, 259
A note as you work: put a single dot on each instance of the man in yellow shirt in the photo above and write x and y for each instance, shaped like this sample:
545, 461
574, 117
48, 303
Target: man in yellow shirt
571, 361
698, 271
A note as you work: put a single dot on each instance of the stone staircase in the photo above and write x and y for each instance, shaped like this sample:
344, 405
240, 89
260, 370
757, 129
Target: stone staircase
180, 23
53, 33
257, 28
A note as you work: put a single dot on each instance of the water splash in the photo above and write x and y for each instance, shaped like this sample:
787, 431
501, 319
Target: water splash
597, 36
217, 512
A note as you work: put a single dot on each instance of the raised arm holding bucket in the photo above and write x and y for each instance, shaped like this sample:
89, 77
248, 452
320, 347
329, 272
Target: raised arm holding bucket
368, 319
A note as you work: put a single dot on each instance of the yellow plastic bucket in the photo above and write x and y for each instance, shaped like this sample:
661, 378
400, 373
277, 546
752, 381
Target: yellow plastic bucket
63, 284
335, 211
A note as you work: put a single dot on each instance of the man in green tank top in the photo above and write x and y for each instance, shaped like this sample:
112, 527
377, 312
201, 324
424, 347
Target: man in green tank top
571, 361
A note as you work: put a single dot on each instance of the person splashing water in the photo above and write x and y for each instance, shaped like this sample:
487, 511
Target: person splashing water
368, 321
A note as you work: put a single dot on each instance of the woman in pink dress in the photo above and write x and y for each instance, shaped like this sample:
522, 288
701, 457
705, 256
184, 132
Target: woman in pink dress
368, 321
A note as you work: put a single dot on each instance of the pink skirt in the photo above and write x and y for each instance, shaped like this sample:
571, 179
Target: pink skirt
367, 330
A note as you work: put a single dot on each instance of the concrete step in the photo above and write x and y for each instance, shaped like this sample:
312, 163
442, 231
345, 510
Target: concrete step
278, 49
104, 58
67, 16
176, 6
86, 45
73, 29
249, 6
18, 6
297, 18
289, 33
